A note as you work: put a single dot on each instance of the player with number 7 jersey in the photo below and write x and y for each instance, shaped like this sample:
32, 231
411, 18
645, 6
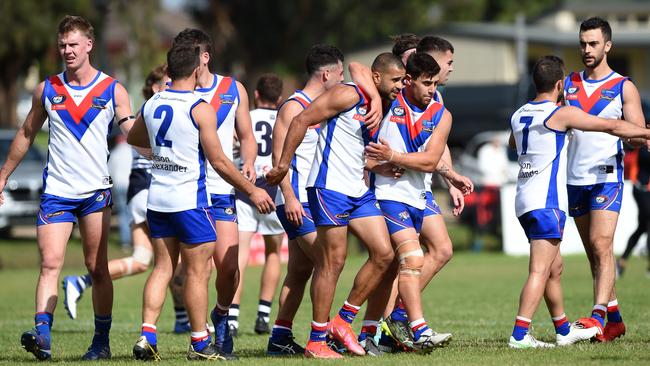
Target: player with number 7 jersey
539, 133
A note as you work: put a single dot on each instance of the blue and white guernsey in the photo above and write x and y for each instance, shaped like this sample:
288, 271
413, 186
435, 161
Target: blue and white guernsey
407, 129
224, 98
80, 119
428, 177
542, 158
178, 172
303, 158
339, 162
595, 157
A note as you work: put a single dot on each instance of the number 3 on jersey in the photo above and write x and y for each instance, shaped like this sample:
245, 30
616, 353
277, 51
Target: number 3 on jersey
168, 113
264, 132
527, 120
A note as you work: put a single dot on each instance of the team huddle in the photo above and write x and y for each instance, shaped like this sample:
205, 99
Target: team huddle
333, 156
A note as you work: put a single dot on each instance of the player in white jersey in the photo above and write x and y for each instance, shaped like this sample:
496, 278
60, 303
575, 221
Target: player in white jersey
595, 164
81, 104
180, 128
539, 132
268, 94
338, 197
324, 66
230, 101
138, 262
413, 136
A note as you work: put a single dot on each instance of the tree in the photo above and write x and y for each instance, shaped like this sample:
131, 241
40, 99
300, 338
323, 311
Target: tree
28, 33
261, 35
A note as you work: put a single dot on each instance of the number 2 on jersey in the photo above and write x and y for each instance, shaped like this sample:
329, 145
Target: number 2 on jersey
264, 146
527, 120
164, 126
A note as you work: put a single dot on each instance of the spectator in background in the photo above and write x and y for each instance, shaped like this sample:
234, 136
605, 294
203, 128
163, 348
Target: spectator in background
119, 165
493, 165
640, 176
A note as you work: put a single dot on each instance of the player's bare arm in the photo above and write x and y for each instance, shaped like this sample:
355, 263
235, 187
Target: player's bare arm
244, 129
362, 76
572, 117
632, 109
138, 136
24, 137
293, 208
425, 161
332, 102
206, 118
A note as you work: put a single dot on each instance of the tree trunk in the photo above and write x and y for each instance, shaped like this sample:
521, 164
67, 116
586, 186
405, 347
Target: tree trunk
9, 97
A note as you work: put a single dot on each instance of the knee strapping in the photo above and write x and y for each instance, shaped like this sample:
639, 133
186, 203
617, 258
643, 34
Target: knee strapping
142, 255
411, 258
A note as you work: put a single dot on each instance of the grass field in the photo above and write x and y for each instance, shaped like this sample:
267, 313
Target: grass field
475, 298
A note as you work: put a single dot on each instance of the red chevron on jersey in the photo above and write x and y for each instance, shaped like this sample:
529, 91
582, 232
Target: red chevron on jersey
414, 129
587, 102
77, 112
222, 88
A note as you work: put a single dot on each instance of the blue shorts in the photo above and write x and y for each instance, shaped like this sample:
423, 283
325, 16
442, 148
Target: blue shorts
432, 207
193, 226
224, 207
546, 223
55, 209
601, 196
292, 230
400, 216
333, 208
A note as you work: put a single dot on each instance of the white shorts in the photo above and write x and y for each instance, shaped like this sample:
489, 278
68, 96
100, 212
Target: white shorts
138, 207
252, 221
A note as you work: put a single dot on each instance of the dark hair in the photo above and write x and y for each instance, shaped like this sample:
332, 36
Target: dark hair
194, 37
420, 64
182, 59
546, 72
597, 23
72, 23
385, 60
155, 76
404, 42
322, 55
269, 87
434, 44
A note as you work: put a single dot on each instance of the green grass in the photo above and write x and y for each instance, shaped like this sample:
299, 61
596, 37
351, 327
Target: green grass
474, 297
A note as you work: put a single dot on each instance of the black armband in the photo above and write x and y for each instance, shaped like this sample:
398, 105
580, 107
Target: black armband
119, 123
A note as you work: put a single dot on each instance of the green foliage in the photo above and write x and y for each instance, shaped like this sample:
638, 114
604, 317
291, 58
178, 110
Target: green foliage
28, 32
495, 10
263, 34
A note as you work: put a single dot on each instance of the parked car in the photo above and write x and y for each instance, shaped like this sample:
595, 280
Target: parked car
24, 187
468, 164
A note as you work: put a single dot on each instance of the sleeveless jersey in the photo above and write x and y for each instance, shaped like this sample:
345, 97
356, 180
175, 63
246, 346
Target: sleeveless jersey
303, 157
178, 174
428, 177
339, 161
407, 129
263, 120
542, 160
80, 120
224, 98
595, 157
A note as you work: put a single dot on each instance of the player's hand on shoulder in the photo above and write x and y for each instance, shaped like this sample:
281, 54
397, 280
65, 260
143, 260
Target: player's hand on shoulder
373, 115
262, 201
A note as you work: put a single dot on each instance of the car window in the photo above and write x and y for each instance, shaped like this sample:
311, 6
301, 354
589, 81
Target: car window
33, 154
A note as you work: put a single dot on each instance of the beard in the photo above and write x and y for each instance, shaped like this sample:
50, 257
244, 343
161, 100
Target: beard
595, 63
